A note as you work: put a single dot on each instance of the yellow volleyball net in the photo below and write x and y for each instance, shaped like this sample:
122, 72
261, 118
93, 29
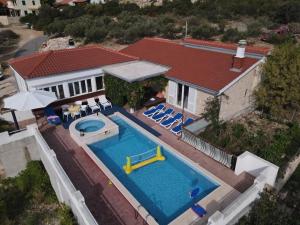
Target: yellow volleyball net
137, 161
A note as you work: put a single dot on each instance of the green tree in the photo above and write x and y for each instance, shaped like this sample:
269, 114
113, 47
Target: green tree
279, 90
47, 2
211, 111
204, 31
266, 211
232, 35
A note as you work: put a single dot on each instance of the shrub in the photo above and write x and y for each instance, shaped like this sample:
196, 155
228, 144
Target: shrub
254, 29
204, 32
95, 34
76, 29
56, 27
232, 35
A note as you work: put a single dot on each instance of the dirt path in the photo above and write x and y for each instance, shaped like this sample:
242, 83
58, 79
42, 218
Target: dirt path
26, 35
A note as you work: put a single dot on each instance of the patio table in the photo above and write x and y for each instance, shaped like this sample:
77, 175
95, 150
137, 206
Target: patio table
73, 109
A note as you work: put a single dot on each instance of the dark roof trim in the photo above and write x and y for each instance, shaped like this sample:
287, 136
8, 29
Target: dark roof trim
222, 50
206, 90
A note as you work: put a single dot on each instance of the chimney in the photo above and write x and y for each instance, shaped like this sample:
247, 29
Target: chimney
237, 60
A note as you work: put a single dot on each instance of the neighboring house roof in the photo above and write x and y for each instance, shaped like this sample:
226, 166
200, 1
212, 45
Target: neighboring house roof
66, 60
206, 68
3, 2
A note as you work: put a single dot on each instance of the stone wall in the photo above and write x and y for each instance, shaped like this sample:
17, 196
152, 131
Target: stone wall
238, 99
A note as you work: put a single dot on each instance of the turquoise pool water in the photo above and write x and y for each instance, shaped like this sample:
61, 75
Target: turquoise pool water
162, 187
89, 125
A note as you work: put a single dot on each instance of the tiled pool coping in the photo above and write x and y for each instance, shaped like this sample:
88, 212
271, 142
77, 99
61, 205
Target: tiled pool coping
188, 216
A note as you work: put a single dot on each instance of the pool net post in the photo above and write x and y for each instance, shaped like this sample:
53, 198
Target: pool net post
128, 168
159, 156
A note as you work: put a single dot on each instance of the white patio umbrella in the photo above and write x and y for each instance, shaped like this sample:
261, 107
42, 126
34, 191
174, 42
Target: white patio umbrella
28, 100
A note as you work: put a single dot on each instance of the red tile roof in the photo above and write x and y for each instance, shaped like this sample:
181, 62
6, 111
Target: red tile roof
66, 60
201, 67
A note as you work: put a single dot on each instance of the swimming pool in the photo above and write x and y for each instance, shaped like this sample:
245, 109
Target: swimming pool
163, 187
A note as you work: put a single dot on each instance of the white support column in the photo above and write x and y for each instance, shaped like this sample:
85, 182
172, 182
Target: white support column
94, 87
66, 90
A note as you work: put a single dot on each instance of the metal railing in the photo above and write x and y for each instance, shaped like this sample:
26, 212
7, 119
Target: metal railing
208, 149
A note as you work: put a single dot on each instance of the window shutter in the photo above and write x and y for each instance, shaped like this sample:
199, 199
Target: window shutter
192, 99
172, 90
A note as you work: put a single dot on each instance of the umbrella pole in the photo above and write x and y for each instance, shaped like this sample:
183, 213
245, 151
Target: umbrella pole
15, 119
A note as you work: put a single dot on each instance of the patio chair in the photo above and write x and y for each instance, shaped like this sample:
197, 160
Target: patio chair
177, 129
160, 116
170, 121
66, 114
83, 108
93, 105
198, 210
154, 110
52, 117
104, 102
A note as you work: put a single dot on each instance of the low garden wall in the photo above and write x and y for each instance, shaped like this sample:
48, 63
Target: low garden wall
265, 173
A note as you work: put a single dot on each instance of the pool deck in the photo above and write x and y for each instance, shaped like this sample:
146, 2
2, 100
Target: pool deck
103, 199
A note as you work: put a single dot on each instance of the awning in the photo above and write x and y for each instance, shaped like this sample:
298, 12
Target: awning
135, 70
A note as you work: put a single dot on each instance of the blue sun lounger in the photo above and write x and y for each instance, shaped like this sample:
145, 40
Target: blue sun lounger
177, 130
158, 117
170, 121
52, 118
153, 110
198, 210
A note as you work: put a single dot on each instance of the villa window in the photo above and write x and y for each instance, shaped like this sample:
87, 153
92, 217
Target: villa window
58, 90
25, 12
80, 87
89, 85
83, 86
53, 89
33, 2
99, 83
71, 89
24, 3
61, 91
77, 88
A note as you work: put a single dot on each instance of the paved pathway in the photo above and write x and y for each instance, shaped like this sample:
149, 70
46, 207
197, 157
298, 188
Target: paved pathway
31, 46
106, 203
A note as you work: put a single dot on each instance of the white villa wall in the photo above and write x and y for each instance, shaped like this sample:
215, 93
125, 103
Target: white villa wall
61, 78
265, 173
254, 165
60, 182
20, 81
202, 97
196, 101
